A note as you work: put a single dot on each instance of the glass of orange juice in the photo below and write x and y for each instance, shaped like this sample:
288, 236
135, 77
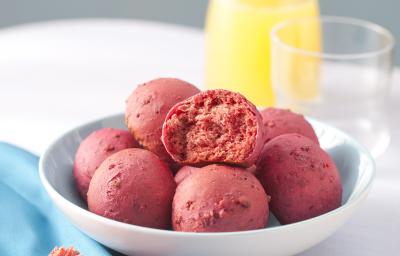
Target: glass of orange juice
238, 43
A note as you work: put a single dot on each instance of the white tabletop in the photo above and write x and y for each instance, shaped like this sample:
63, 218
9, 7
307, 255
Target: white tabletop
57, 75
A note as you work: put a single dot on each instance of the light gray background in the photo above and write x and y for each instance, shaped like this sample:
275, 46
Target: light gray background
186, 12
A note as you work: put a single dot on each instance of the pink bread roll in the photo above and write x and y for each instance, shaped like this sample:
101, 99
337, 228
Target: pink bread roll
187, 170
147, 107
300, 177
219, 198
278, 121
215, 126
133, 186
184, 172
94, 149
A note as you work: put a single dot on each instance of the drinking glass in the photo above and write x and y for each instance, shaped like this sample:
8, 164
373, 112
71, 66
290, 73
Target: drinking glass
345, 82
237, 43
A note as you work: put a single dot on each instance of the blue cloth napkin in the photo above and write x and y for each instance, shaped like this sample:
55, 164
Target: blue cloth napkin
29, 223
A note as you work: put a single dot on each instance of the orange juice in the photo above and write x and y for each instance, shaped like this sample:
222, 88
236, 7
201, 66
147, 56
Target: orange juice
238, 43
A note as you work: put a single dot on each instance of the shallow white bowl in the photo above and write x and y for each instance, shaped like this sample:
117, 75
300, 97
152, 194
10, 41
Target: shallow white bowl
356, 168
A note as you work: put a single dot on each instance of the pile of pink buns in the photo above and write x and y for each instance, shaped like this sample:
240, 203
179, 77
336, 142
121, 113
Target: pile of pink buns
205, 162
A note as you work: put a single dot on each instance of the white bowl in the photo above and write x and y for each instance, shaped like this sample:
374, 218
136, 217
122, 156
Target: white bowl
356, 168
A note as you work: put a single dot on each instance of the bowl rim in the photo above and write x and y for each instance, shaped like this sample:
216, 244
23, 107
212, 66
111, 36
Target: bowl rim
369, 172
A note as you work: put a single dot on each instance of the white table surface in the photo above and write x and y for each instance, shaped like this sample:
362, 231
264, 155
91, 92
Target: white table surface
57, 75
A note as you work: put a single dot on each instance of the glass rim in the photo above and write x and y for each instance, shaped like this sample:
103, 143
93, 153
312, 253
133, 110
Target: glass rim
339, 20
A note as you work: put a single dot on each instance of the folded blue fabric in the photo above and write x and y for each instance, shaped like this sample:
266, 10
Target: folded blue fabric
29, 223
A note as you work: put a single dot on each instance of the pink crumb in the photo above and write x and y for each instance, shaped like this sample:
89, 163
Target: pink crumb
61, 251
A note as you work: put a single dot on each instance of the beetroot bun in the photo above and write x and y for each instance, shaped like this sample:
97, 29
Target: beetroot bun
187, 170
94, 149
215, 126
133, 186
219, 198
300, 177
278, 121
184, 172
147, 107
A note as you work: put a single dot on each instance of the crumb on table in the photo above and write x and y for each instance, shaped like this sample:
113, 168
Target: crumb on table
61, 251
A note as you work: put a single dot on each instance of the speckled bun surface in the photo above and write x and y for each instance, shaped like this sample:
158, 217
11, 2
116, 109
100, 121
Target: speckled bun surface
219, 198
147, 107
278, 121
133, 186
94, 149
300, 177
